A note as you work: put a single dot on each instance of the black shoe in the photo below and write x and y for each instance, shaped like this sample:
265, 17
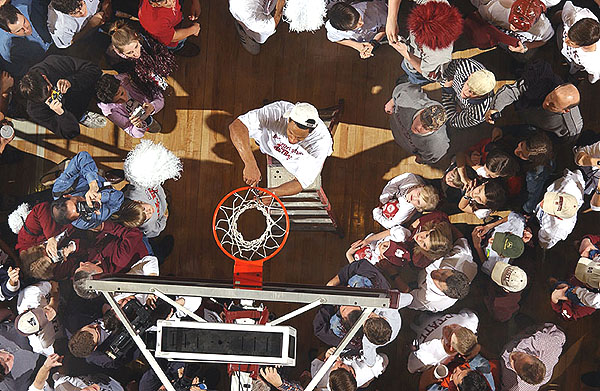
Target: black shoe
591, 379
163, 248
189, 49
114, 176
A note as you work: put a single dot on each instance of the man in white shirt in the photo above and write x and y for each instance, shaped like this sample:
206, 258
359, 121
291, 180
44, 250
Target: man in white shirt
254, 22
557, 213
446, 280
292, 134
37, 305
438, 340
69, 20
579, 40
588, 158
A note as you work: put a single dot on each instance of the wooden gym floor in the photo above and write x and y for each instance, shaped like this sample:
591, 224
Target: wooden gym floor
225, 81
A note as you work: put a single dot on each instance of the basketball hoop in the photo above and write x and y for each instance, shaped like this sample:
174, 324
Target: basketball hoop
249, 254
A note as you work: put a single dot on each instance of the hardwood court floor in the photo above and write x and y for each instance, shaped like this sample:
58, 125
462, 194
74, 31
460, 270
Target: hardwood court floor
223, 82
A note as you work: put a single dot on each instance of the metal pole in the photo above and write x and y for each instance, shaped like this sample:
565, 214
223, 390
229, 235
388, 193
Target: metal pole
350, 296
297, 312
138, 341
178, 306
332, 359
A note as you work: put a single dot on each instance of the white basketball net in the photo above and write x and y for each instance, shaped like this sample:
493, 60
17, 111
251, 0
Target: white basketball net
226, 225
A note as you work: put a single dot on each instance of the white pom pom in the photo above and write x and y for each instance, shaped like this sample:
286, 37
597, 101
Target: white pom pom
304, 15
149, 165
17, 218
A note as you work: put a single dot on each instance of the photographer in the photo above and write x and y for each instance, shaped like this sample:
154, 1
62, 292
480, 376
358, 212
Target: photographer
127, 106
80, 197
58, 91
89, 341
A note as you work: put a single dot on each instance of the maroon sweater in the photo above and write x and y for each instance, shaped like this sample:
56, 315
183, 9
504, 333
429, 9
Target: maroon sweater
41, 227
116, 247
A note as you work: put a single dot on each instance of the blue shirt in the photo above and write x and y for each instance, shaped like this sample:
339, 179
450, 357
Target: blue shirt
75, 180
20, 53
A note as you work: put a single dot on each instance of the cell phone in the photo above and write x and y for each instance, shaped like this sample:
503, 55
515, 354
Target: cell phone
496, 116
55, 94
138, 112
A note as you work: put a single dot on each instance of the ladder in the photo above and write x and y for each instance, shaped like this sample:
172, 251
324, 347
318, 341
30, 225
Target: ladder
309, 210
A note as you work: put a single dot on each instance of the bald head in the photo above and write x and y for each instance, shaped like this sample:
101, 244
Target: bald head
562, 99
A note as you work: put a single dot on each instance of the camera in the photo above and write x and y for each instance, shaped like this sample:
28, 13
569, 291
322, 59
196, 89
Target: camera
60, 257
55, 94
120, 342
85, 212
138, 111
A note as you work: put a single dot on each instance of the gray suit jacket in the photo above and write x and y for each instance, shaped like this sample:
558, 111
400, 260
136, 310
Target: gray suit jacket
408, 100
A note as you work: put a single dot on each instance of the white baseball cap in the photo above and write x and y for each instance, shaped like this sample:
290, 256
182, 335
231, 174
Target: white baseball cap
31, 321
511, 278
304, 114
562, 205
588, 272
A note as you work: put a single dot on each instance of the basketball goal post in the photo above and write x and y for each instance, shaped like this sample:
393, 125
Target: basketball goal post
310, 296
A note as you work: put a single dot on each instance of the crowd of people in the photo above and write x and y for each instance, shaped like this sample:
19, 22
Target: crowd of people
57, 334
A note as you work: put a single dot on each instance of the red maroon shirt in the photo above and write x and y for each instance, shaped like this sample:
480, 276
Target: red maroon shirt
40, 227
116, 247
160, 22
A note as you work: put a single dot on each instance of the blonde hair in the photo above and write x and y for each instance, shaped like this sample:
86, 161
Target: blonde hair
122, 34
466, 340
30, 255
430, 197
42, 269
131, 214
441, 239
481, 82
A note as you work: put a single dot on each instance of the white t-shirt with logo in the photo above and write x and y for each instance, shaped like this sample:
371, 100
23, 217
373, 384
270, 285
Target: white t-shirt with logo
268, 127
590, 61
38, 296
430, 339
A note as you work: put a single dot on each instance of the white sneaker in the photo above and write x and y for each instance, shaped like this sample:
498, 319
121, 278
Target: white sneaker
93, 120
248, 43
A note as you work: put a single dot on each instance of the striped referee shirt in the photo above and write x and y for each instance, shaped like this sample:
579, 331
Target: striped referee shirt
463, 113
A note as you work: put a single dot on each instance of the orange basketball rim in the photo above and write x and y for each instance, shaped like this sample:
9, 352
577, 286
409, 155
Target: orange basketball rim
249, 255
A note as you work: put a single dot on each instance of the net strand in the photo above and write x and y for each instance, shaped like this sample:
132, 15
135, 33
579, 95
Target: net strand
233, 240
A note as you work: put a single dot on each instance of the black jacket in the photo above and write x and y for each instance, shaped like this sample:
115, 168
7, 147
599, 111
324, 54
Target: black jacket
82, 75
